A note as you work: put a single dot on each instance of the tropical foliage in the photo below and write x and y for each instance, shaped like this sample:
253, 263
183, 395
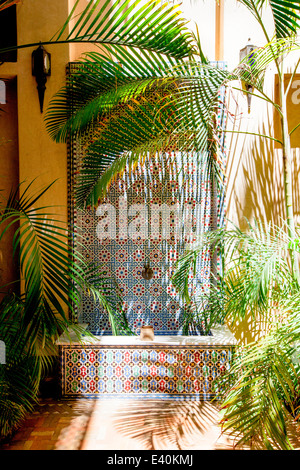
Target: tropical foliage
146, 102
53, 280
261, 276
167, 101
263, 384
53, 277
160, 93
261, 389
165, 104
137, 103
8, 3
156, 26
134, 105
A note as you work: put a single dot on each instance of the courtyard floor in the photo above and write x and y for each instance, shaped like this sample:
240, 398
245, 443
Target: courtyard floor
120, 424
126, 424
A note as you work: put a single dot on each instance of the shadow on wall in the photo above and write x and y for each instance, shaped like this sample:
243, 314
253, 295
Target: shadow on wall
256, 176
258, 183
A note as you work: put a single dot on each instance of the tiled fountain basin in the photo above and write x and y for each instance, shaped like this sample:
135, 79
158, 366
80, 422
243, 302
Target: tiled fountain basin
169, 366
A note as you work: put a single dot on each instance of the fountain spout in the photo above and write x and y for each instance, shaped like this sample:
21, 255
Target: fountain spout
147, 272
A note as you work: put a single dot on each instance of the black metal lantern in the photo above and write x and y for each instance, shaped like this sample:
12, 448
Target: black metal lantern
41, 69
244, 53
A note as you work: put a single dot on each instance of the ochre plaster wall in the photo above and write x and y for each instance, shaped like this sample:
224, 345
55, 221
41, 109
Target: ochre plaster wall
31, 153
39, 156
255, 185
254, 166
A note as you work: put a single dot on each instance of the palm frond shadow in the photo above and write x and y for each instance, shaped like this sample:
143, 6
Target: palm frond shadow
261, 185
292, 434
259, 195
263, 188
165, 424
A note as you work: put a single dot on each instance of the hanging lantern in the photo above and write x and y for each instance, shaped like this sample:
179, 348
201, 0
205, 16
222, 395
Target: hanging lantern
247, 52
41, 69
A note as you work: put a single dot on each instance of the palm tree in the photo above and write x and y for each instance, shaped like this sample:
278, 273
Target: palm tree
139, 103
156, 26
260, 392
165, 103
53, 279
262, 387
286, 27
183, 97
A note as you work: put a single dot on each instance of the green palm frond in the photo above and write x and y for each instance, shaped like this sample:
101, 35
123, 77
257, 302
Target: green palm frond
104, 290
252, 69
261, 390
257, 276
131, 107
43, 252
285, 14
18, 387
53, 280
147, 25
286, 17
54, 275
261, 384
99, 85
108, 97
150, 25
258, 272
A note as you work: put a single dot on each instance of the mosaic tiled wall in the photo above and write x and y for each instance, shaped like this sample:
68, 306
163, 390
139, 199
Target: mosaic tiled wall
174, 181
154, 301
142, 371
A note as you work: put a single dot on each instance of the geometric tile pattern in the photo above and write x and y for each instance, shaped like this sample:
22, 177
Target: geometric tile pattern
173, 180
153, 302
166, 371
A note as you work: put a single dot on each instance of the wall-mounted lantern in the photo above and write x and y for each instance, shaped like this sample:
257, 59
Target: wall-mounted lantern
41, 69
246, 52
